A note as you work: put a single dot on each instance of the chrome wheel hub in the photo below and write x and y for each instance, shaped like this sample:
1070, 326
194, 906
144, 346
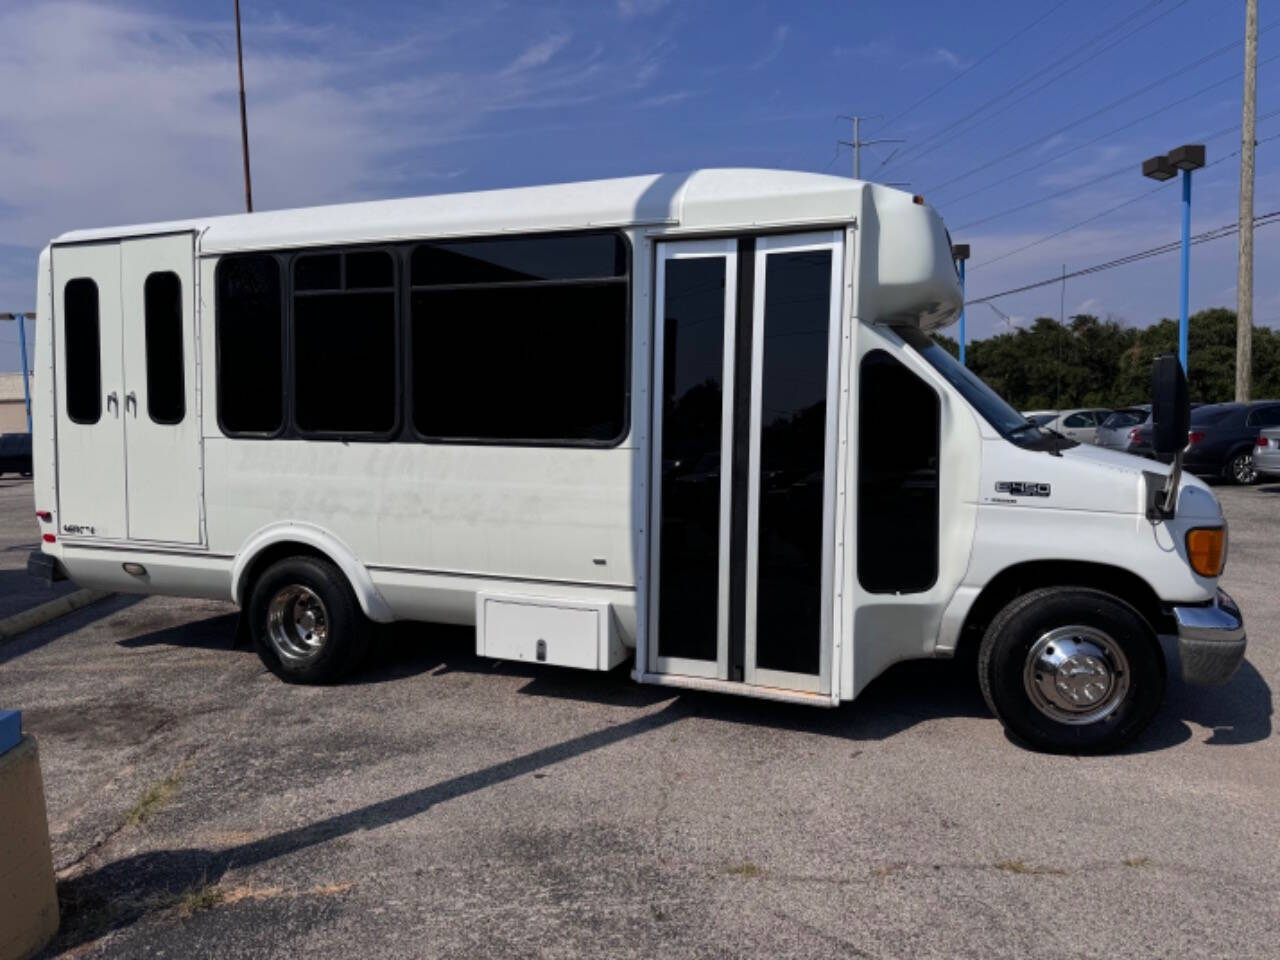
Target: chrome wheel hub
1242, 468
297, 623
1076, 675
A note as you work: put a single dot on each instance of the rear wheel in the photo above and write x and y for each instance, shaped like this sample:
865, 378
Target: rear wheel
1071, 670
1240, 469
306, 622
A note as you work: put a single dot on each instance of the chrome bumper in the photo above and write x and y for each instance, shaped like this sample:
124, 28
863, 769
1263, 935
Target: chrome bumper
1211, 640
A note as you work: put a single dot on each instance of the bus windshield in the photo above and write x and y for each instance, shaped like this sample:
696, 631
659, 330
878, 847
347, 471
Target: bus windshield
993, 408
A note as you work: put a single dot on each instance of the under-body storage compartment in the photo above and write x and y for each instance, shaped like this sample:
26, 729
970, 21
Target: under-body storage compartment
565, 633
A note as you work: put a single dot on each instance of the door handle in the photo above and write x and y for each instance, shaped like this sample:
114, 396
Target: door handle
113, 401
131, 398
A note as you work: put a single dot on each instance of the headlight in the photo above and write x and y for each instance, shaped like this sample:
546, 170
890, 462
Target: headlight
1207, 550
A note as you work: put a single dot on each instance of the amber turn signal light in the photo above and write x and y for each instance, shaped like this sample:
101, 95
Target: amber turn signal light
1207, 550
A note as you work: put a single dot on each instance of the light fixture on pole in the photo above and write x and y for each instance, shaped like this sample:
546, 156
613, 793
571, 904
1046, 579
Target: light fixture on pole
22, 346
1185, 158
960, 253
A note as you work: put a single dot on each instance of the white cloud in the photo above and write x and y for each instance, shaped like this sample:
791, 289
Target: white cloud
666, 99
118, 114
537, 55
777, 40
640, 8
941, 56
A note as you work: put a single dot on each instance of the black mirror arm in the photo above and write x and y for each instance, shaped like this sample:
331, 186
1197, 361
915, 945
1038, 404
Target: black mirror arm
1166, 501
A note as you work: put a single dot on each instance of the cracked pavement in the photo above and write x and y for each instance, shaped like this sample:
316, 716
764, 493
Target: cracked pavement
445, 806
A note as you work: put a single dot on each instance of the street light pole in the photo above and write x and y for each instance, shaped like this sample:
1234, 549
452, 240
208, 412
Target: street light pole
960, 253
1185, 158
1185, 281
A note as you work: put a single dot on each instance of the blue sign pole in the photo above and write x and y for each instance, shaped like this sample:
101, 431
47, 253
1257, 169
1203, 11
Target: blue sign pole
962, 363
1186, 268
26, 385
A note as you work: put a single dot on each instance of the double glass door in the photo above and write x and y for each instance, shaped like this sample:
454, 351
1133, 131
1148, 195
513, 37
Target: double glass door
746, 353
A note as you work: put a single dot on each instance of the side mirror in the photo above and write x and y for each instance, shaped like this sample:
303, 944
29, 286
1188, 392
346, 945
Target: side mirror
1170, 412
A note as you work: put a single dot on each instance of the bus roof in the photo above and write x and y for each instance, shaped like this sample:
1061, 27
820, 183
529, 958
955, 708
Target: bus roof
710, 199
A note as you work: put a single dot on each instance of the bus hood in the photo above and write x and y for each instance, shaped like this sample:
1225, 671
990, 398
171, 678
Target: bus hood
1085, 477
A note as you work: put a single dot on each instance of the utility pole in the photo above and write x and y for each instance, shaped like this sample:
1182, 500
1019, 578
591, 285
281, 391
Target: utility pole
244, 122
1244, 264
857, 143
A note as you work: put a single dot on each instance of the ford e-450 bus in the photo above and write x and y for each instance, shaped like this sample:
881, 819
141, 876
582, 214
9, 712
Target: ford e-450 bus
691, 421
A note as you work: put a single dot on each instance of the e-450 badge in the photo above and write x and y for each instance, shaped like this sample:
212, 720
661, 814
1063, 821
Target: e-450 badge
1022, 488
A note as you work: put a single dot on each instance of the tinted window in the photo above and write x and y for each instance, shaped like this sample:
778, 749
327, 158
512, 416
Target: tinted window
1124, 418
499, 354
1265, 417
692, 394
993, 408
162, 306
519, 259
1040, 419
344, 343
793, 418
250, 337
897, 478
83, 350
1078, 420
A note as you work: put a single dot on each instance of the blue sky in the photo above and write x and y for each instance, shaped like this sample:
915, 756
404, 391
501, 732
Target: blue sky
119, 112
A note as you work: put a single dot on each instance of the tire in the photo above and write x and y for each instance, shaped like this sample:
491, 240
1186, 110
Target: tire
306, 623
1093, 639
1240, 469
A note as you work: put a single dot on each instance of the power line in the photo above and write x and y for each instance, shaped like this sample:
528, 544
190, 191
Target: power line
977, 63
1119, 171
1101, 214
928, 142
1032, 168
1031, 144
1263, 220
1054, 79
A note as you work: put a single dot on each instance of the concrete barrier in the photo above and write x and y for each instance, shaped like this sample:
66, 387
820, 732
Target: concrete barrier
10, 627
28, 894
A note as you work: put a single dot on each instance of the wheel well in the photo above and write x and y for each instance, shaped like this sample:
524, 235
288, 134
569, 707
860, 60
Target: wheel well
1024, 577
269, 555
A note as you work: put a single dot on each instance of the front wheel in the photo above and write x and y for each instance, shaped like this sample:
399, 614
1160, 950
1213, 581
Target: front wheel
1071, 670
307, 624
1240, 469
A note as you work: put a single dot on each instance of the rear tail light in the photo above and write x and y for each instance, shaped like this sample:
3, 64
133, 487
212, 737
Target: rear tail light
44, 516
49, 538
1194, 437
1207, 550
1263, 441
1135, 435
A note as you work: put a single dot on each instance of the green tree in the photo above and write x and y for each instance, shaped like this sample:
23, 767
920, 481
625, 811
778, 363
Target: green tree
1094, 362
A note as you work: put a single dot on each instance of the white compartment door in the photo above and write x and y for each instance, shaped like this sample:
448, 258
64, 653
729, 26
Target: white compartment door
159, 401
89, 392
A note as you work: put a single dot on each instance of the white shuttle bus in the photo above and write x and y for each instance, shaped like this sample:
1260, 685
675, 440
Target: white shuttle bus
695, 422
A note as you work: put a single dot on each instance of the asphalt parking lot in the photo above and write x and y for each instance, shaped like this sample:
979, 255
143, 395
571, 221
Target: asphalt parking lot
445, 806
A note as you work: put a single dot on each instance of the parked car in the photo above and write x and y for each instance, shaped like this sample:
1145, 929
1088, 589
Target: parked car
1113, 432
1222, 439
1040, 417
15, 453
1266, 453
1079, 424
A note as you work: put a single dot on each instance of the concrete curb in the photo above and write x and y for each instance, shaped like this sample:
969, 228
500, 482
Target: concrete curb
10, 627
